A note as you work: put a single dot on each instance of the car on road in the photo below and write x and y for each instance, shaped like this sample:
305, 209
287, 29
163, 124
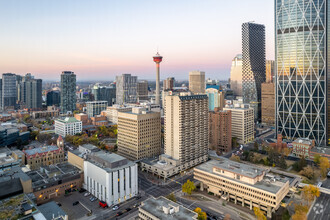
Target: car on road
119, 213
116, 207
87, 194
128, 209
138, 197
75, 203
328, 175
319, 184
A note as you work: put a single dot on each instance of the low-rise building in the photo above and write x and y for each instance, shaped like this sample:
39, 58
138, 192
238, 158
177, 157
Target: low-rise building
10, 134
99, 120
109, 177
45, 114
55, 180
67, 126
243, 184
302, 147
43, 156
162, 208
8, 160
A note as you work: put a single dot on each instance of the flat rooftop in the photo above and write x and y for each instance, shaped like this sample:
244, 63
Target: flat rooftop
155, 207
50, 175
266, 184
108, 161
159, 164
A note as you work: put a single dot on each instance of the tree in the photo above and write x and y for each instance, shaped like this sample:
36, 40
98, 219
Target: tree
201, 215
300, 212
33, 135
308, 172
259, 214
171, 197
317, 159
324, 166
188, 187
282, 162
299, 165
235, 158
256, 146
310, 192
27, 118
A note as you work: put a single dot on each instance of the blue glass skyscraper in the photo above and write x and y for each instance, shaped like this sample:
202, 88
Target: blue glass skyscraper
302, 65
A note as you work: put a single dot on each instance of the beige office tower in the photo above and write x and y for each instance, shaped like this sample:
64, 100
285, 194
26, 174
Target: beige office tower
139, 134
236, 75
186, 128
268, 103
197, 82
242, 123
269, 71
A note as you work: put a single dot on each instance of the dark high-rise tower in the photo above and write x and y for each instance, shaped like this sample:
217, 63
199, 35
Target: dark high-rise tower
302, 67
9, 91
68, 91
254, 64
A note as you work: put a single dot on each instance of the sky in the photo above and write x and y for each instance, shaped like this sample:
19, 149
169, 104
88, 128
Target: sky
99, 39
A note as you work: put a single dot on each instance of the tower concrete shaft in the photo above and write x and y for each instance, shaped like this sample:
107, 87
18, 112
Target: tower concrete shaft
157, 59
157, 85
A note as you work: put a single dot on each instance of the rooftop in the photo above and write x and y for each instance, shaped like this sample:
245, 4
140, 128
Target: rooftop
159, 206
50, 175
159, 164
190, 97
305, 141
51, 210
68, 120
267, 184
41, 150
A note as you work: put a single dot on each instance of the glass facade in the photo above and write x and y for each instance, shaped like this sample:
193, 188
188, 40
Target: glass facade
301, 66
254, 65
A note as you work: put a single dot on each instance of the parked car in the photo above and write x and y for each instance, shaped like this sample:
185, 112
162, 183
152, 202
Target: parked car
319, 184
75, 203
103, 204
87, 194
328, 175
59, 204
138, 197
128, 209
116, 207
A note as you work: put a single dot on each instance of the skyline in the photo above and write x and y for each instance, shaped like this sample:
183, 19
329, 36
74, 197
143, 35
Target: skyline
108, 38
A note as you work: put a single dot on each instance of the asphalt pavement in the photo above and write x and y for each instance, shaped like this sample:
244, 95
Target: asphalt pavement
320, 209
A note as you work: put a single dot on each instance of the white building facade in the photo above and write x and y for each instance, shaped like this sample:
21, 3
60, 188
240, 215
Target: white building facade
68, 126
112, 185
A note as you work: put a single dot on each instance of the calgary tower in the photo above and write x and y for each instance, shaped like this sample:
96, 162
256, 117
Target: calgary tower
157, 59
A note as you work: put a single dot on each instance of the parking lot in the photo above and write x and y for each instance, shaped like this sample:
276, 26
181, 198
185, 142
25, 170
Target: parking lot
78, 211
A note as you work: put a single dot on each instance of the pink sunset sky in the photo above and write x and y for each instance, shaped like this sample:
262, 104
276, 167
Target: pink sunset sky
101, 39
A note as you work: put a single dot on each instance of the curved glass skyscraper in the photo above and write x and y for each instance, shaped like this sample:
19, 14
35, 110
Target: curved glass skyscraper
302, 77
254, 65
